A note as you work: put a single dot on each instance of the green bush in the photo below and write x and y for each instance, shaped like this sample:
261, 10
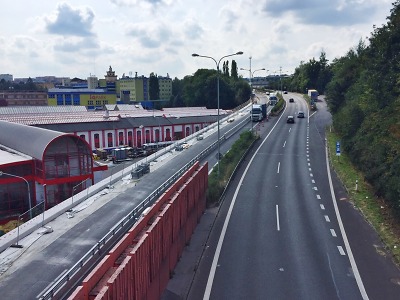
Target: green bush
228, 163
279, 106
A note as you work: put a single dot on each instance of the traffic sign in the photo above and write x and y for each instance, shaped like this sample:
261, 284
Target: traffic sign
338, 148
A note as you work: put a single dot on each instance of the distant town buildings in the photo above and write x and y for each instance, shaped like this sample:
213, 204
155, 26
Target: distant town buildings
23, 98
6, 77
93, 93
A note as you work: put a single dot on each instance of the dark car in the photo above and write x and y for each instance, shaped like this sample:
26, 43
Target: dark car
285, 92
291, 100
290, 119
300, 114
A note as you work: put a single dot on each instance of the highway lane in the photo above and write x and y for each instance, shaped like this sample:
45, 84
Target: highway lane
282, 240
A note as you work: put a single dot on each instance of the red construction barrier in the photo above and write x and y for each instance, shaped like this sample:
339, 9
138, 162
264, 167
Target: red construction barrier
140, 264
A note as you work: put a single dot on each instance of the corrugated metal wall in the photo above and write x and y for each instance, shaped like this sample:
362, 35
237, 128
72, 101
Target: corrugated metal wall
139, 266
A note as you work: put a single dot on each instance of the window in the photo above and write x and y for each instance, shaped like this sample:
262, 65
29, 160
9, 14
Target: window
68, 99
130, 138
157, 135
168, 134
96, 140
120, 138
77, 100
60, 100
139, 138
109, 139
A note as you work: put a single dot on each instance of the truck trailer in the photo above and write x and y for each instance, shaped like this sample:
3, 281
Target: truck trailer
313, 94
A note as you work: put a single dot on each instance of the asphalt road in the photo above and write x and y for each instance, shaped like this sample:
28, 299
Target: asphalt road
278, 234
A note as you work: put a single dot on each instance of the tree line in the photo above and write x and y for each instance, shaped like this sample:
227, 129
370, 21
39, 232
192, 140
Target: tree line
19, 86
201, 89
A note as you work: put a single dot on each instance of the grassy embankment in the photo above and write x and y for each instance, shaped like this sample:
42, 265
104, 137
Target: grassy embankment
376, 212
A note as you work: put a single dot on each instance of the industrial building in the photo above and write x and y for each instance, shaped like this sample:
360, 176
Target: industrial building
39, 165
49, 150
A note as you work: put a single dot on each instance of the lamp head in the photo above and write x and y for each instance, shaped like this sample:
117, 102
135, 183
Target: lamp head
195, 55
239, 53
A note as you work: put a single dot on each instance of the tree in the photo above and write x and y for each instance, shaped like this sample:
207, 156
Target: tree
234, 70
154, 89
201, 90
225, 68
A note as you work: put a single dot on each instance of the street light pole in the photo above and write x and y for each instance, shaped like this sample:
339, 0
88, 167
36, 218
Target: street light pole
251, 88
29, 190
217, 64
74, 187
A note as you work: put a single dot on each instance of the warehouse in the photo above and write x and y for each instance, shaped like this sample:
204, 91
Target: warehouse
48, 151
39, 165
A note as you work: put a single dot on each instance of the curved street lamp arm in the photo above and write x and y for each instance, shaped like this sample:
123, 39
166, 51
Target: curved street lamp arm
217, 63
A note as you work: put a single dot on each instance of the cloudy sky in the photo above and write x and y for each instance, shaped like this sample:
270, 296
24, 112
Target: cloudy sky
78, 38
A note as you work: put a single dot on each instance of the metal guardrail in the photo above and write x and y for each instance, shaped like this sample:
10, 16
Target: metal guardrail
123, 226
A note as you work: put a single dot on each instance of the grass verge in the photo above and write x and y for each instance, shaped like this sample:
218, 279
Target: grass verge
228, 164
361, 194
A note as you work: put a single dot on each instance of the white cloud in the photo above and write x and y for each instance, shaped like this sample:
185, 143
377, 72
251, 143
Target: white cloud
70, 22
74, 39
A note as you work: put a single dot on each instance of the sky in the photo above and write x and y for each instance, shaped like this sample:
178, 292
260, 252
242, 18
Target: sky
82, 38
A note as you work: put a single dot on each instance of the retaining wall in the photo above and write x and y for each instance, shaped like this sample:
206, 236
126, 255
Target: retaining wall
140, 265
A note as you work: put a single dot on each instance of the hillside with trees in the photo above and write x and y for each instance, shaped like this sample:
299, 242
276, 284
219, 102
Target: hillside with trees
362, 90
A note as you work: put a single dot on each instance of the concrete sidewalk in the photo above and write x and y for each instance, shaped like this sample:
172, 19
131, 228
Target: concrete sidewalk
179, 285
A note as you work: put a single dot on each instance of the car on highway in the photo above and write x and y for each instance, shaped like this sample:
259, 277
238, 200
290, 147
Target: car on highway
200, 137
178, 148
300, 114
291, 100
290, 119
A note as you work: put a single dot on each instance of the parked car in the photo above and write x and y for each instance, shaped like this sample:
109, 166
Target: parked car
290, 119
291, 100
300, 114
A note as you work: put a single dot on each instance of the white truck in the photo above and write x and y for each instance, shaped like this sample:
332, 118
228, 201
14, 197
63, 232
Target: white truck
258, 112
273, 99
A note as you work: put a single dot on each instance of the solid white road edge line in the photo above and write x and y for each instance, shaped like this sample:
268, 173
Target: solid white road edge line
343, 232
